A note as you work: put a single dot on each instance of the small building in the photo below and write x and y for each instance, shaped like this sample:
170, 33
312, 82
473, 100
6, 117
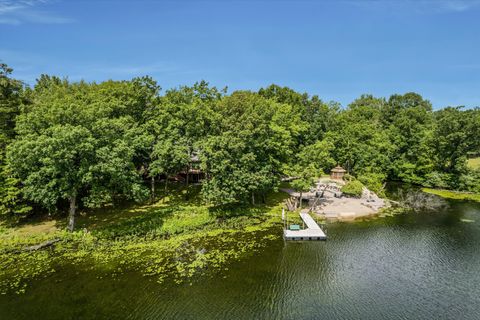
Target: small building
337, 173
195, 174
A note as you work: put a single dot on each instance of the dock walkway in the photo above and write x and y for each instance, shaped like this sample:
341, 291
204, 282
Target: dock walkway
312, 232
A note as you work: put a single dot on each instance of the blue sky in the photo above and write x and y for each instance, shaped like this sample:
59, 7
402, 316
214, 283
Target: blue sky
336, 49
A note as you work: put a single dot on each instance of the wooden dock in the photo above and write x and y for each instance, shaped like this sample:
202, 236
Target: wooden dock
312, 232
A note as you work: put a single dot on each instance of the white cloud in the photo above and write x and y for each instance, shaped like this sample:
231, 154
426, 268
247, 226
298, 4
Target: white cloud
454, 5
26, 11
458, 5
419, 6
7, 7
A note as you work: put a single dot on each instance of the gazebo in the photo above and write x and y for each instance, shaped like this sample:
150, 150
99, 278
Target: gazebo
337, 173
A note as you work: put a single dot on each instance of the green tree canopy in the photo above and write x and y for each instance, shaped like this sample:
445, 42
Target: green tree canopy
75, 143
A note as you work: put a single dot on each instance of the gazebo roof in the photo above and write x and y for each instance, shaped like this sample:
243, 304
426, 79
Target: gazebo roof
338, 169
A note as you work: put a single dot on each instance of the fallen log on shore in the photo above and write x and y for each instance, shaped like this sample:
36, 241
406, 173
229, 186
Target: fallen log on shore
42, 245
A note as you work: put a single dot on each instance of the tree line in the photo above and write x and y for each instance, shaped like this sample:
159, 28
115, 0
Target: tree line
66, 145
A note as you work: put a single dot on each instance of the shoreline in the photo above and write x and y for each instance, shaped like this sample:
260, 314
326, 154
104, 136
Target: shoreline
455, 195
164, 241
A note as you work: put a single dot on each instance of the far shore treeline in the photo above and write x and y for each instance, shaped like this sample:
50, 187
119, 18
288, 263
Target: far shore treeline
67, 145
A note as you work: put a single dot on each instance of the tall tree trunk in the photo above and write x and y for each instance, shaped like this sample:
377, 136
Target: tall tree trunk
153, 189
166, 187
71, 212
264, 198
253, 198
186, 182
300, 201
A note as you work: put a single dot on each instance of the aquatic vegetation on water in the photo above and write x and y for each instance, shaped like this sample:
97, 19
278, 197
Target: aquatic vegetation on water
179, 257
391, 211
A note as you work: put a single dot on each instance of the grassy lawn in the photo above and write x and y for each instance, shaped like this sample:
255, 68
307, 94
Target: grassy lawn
449, 194
474, 163
169, 215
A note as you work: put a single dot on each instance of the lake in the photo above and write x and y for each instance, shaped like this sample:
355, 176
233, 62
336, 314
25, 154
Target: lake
410, 266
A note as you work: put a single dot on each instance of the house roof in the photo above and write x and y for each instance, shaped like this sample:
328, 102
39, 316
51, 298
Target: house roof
338, 169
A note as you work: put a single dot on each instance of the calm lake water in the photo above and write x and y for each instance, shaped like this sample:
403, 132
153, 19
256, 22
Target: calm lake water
415, 266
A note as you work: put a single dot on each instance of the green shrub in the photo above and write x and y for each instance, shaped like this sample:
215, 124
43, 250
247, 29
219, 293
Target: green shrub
470, 181
373, 181
353, 188
437, 179
409, 173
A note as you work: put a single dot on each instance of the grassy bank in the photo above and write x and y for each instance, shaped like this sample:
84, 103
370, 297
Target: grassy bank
474, 163
171, 238
449, 194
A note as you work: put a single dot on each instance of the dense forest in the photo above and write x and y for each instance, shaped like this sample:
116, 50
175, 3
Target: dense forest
68, 145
